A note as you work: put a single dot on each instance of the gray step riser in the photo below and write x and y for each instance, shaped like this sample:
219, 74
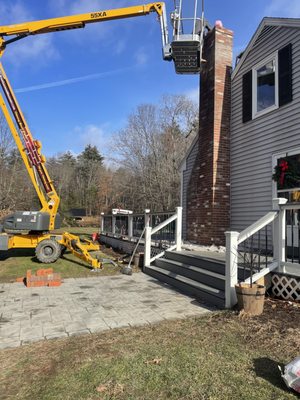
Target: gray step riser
185, 288
197, 276
204, 263
208, 280
196, 285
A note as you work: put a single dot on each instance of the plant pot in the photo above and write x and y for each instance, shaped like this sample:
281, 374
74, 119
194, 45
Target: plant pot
250, 299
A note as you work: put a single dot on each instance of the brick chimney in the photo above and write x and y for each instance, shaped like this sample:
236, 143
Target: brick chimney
208, 194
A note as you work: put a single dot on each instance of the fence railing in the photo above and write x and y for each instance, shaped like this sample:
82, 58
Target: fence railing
114, 224
151, 234
257, 250
132, 226
138, 224
292, 232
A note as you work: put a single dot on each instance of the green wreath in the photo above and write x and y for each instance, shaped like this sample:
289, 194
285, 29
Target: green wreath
286, 174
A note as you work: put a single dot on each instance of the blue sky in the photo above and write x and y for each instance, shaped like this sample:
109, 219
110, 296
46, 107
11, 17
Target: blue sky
105, 70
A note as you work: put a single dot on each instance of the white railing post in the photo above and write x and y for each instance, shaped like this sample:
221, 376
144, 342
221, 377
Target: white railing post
178, 232
147, 250
279, 230
231, 268
147, 218
130, 226
102, 223
113, 224
148, 229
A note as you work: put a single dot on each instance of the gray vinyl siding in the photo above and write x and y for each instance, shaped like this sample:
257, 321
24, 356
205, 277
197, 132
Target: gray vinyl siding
186, 176
253, 143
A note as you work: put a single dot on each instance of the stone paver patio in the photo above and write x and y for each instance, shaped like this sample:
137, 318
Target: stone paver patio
87, 305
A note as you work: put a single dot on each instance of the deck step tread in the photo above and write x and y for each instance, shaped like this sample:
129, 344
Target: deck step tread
197, 285
192, 255
192, 268
242, 275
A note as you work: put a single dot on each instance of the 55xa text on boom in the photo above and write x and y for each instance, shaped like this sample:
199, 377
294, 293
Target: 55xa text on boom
98, 14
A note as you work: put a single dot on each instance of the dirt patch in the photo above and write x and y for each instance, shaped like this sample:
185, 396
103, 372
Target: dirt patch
115, 254
118, 256
278, 327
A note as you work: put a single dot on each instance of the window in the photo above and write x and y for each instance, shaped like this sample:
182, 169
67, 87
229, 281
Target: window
265, 87
286, 170
268, 85
286, 175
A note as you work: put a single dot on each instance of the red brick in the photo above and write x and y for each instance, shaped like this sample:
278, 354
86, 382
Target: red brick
209, 184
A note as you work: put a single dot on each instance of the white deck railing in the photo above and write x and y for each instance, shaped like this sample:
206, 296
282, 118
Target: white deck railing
149, 231
233, 239
130, 226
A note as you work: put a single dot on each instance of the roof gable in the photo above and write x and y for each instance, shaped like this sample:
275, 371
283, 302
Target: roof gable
268, 25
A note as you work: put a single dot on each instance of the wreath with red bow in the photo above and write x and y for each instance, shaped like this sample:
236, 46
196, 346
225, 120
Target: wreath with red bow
286, 175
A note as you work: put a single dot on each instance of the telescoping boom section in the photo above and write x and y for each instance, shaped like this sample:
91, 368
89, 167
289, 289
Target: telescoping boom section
12, 33
30, 151
32, 229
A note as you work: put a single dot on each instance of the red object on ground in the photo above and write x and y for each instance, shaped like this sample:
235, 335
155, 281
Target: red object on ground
95, 237
43, 277
44, 272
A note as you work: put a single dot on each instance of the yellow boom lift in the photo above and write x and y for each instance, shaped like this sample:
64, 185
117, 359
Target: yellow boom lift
32, 229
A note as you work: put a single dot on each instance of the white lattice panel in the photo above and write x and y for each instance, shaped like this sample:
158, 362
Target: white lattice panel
286, 287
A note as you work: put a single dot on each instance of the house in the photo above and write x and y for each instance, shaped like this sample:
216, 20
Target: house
249, 132
249, 129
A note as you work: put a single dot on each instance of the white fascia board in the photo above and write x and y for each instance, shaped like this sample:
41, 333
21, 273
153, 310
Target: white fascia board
284, 22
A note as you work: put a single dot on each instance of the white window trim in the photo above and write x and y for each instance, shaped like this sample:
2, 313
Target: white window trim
255, 113
275, 157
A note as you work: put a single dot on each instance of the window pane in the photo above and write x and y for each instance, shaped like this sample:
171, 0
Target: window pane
266, 86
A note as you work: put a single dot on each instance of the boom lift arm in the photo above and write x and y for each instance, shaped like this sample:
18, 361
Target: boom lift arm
48, 246
20, 31
31, 153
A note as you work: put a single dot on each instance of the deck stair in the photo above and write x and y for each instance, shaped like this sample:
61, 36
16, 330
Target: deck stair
198, 274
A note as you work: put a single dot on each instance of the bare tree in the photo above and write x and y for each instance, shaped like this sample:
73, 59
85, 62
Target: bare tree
148, 153
151, 148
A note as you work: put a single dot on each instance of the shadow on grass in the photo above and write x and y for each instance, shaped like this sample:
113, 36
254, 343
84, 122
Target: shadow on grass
75, 261
4, 255
268, 370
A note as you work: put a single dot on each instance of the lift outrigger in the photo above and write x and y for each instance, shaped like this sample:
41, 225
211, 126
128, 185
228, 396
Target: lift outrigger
33, 229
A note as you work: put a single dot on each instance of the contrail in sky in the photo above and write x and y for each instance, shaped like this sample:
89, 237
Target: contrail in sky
73, 80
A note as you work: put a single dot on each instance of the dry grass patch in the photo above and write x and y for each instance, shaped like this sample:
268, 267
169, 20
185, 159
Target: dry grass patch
219, 356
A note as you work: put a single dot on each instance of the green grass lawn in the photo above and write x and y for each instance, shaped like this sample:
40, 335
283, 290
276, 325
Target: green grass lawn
218, 356
15, 263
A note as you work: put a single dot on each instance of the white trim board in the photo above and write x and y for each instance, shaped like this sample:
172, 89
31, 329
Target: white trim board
267, 21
